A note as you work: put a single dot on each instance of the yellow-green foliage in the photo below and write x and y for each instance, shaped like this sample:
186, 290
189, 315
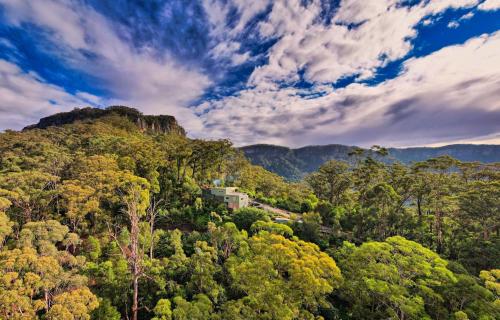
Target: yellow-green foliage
101, 220
280, 278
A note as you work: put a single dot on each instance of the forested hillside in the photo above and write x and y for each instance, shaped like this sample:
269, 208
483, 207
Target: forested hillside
102, 218
294, 164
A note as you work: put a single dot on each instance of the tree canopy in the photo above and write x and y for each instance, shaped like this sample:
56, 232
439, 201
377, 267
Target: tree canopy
105, 219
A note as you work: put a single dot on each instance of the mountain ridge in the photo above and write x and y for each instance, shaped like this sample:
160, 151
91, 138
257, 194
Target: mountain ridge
295, 163
149, 123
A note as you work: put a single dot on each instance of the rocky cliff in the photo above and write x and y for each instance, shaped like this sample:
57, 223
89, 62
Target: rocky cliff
149, 123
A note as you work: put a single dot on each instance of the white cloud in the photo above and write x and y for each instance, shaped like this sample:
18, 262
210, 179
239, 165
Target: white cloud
229, 50
25, 97
453, 24
467, 16
225, 38
7, 44
248, 10
427, 22
218, 11
450, 95
419, 106
487, 139
365, 35
489, 5
140, 77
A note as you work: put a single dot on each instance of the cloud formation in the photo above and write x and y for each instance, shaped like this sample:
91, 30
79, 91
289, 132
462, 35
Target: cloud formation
440, 97
388, 72
489, 5
363, 36
25, 97
85, 40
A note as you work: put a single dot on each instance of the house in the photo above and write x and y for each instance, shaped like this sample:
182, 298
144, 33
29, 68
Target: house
229, 195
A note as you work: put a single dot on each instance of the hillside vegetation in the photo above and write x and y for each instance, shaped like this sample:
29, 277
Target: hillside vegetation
103, 218
295, 164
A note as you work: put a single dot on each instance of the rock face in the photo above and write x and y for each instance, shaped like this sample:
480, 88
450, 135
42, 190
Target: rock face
149, 123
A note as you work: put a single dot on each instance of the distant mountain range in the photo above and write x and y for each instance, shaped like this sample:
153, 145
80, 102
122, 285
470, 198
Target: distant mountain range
294, 164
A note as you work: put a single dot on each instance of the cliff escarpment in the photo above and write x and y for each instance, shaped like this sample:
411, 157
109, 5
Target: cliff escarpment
148, 123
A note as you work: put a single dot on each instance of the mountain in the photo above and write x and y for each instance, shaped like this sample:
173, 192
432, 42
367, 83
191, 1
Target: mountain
149, 123
294, 164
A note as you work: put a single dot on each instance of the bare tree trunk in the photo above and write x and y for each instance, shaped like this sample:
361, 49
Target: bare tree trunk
419, 206
439, 232
151, 246
486, 234
27, 215
153, 213
332, 192
134, 255
178, 171
135, 303
47, 300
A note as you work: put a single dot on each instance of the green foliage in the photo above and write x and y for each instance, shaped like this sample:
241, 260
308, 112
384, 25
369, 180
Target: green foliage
401, 279
39, 277
295, 164
5, 227
309, 228
492, 280
105, 311
79, 201
331, 181
30, 192
468, 296
395, 278
272, 227
163, 310
76, 304
203, 268
245, 217
227, 239
280, 279
92, 248
198, 309
104, 219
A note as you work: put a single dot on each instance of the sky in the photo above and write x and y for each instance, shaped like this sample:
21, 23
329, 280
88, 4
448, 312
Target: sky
289, 72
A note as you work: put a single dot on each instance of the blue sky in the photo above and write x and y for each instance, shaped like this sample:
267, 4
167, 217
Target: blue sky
295, 72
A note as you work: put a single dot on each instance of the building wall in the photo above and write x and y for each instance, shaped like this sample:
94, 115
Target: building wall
243, 200
238, 200
218, 191
230, 196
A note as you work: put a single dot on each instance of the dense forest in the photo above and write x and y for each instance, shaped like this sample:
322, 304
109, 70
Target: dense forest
295, 164
102, 219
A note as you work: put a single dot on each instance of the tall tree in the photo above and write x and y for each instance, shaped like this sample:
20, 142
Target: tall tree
279, 278
394, 279
134, 193
31, 192
331, 181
